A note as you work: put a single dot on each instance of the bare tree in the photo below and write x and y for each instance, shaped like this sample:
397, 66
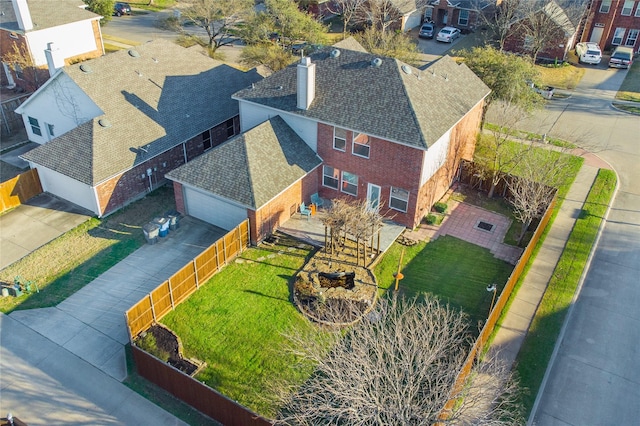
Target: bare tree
219, 18
539, 174
21, 62
398, 366
500, 20
496, 154
349, 11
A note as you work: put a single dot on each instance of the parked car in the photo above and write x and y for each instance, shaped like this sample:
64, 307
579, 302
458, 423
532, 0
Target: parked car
427, 30
622, 57
448, 34
588, 53
120, 9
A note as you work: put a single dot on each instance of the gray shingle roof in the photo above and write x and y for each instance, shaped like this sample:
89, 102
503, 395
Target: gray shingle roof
158, 99
46, 13
414, 108
252, 168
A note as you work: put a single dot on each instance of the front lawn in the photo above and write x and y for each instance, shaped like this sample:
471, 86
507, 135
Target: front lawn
630, 88
561, 76
235, 323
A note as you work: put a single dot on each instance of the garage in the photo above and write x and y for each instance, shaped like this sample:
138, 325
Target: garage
213, 210
412, 21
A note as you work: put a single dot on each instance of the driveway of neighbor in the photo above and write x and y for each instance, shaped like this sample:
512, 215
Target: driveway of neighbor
594, 377
83, 337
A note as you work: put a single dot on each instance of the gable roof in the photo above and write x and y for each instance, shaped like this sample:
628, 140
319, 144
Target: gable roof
556, 14
472, 5
252, 168
392, 100
153, 97
46, 14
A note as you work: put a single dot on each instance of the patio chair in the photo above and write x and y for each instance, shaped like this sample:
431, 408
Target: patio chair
305, 211
315, 199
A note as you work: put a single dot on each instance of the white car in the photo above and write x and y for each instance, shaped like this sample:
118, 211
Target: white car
588, 53
448, 34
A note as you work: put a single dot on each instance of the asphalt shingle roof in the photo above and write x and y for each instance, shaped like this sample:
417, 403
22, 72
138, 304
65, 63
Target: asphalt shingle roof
252, 168
45, 13
393, 101
153, 98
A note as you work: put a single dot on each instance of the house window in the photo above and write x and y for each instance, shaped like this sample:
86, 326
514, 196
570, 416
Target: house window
528, 42
330, 177
206, 139
605, 6
50, 129
632, 37
463, 18
638, 10
349, 183
339, 139
35, 126
19, 73
399, 199
361, 145
13, 35
627, 8
231, 128
618, 35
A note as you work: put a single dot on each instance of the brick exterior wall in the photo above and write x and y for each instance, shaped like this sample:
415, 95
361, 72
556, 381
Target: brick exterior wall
267, 219
391, 164
133, 184
453, 15
178, 194
609, 22
554, 50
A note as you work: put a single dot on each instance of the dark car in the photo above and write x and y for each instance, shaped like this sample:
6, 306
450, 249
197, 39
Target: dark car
120, 9
427, 30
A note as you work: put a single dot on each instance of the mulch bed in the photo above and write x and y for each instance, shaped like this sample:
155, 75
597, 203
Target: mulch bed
167, 341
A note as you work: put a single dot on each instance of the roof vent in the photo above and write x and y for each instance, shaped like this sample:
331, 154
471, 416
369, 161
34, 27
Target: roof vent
155, 60
134, 53
86, 68
335, 53
406, 69
376, 62
103, 122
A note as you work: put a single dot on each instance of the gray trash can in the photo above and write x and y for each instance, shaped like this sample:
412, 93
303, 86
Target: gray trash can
151, 231
173, 217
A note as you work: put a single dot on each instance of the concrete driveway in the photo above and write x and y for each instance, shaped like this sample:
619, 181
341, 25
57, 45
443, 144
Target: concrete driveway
594, 378
35, 223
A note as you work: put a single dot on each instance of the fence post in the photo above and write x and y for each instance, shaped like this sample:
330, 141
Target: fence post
173, 306
239, 238
217, 254
153, 311
195, 273
224, 250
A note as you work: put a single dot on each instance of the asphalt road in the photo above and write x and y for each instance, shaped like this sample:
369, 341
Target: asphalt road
594, 378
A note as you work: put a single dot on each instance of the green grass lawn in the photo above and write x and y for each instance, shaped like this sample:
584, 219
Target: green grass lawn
455, 270
630, 88
236, 323
538, 346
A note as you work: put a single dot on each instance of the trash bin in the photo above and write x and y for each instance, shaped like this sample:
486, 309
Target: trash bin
163, 223
151, 231
5, 292
173, 217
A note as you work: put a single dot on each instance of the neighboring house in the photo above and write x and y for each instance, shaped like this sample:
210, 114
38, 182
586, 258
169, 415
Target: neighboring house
411, 12
64, 28
549, 33
385, 132
612, 23
112, 127
462, 14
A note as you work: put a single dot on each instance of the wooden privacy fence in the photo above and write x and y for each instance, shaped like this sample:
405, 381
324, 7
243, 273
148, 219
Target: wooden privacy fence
18, 190
496, 311
187, 280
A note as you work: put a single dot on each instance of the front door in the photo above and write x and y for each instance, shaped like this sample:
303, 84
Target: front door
596, 35
373, 196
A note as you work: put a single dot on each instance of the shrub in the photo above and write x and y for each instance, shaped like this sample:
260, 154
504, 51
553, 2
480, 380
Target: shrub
147, 343
431, 219
440, 207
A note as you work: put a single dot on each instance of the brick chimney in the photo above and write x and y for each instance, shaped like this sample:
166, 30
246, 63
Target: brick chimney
23, 16
306, 82
55, 59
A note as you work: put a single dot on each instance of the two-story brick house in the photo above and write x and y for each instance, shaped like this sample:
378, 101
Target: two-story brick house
462, 14
384, 132
49, 34
111, 127
612, 23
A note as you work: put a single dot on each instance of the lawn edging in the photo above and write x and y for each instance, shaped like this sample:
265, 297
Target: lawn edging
549, 322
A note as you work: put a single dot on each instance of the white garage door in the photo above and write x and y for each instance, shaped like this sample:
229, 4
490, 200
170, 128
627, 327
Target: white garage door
412, 21
212, 210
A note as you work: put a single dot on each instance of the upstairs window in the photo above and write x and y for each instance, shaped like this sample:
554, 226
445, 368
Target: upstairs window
35, 126
632, 37
19, 72
231, 128
349, 184
330, 177
627, 8
605, 6
618, 35
528, 42
463, 18
206, 139
399, 199
339, 139
638, 10
50, 130
361, 145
